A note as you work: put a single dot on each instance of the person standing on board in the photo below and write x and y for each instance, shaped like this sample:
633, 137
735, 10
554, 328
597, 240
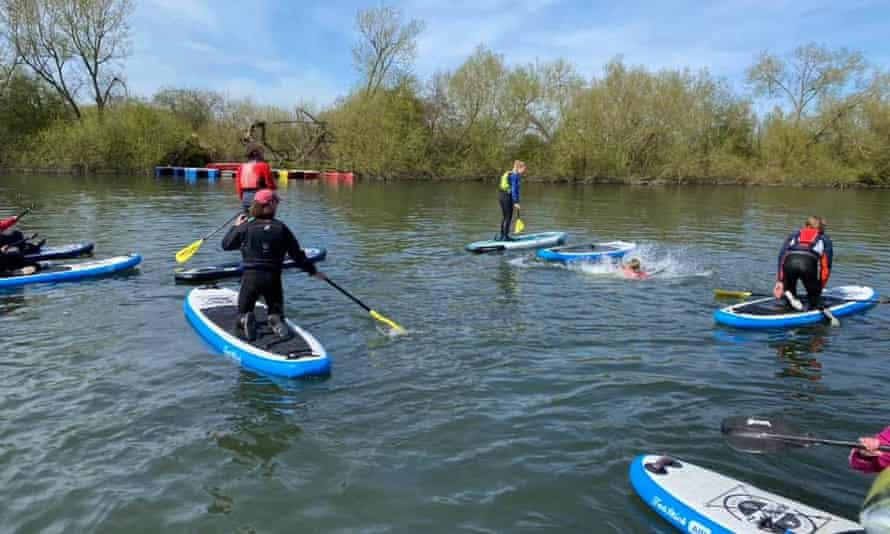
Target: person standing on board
508, 197
806, 255
264, 240
253, 176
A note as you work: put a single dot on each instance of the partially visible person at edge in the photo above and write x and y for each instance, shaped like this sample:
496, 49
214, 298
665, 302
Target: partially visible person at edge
12, 244
508, 197
264, 240
806, 255
871, 459
634, 269
253, 176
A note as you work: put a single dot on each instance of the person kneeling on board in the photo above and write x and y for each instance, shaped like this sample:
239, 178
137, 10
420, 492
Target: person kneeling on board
264, 240
508, 198
806, 255
634, 269
253, 176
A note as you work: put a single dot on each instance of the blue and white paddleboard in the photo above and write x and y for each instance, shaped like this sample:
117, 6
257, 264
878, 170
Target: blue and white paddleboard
539, 240
209, 273
589, 252
213, 312
775, 313
699, 501
73, 250
50, 273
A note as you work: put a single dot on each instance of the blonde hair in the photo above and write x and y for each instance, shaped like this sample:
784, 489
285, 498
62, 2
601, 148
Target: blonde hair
517, 164
634, 264
814, 221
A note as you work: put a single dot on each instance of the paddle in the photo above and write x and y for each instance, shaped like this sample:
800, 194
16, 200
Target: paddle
376, 315
186, 253
763, 435
724, 293
519, 226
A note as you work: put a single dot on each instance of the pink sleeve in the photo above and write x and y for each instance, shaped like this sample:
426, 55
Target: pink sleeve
884, 459
864, 464
872, 464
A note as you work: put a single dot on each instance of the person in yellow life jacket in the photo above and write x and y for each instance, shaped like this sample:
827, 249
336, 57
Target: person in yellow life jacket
508, 197
253, 176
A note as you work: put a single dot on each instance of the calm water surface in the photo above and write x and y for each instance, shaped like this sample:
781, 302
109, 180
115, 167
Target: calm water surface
515, 403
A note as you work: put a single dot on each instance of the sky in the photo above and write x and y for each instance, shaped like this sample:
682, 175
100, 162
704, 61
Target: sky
288, 52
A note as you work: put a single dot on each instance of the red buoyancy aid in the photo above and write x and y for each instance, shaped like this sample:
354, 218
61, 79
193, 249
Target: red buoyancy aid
8, 222
808, 237
249, 176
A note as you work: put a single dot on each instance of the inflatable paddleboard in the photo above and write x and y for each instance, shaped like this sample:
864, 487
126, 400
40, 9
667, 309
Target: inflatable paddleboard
73, 250
775, 313
589, 252
210, 273
700, 501
75, 271
539, 240
213, 312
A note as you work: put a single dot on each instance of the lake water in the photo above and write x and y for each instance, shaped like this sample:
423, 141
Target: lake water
515, 403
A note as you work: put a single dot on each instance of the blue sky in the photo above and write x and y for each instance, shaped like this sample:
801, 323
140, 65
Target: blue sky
285, 52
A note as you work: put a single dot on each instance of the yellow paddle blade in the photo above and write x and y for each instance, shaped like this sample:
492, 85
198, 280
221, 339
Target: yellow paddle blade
386, 321
520, 226
731, 294
875, 514
185, 254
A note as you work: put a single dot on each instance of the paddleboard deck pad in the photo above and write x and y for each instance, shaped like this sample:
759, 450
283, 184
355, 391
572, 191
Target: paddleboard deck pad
539, 240
51, 272
776, 313
588, 252
209, 273
73, 250
213, 312
699, 501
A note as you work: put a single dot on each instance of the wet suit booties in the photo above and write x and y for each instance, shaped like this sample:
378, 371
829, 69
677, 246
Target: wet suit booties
263, 243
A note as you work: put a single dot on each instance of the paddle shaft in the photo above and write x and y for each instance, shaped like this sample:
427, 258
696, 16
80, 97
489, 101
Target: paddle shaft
223, 225
348, 294
806, 439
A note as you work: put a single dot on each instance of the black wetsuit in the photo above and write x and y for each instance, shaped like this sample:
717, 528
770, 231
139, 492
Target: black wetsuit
263, 244
506, 201
803, 267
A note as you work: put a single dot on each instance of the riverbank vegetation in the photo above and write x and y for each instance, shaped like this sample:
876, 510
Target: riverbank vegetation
813, 115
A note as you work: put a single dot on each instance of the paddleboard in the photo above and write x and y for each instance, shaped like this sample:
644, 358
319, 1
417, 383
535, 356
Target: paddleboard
210, 273
539, 240
213, 312
73, 250
775, 313
699, 501
70, 272
588, 252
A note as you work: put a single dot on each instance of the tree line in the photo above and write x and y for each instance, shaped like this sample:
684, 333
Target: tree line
812, 115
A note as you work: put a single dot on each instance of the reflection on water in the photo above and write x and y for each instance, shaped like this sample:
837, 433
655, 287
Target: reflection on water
798, 352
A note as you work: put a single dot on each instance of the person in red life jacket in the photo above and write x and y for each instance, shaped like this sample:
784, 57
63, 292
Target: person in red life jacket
264, 240
634, 269
871, 459
253, 176
12, 260
806, 255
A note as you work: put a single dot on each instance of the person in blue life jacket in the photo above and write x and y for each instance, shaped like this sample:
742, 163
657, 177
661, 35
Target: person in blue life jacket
806, 255
508, 197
